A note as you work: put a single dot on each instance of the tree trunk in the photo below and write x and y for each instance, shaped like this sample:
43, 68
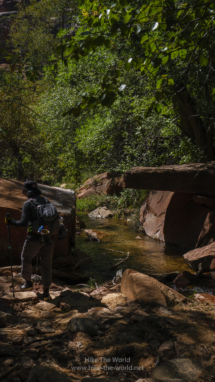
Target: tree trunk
18, 157
191, 123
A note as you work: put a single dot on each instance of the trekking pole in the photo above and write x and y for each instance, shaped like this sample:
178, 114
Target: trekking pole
37, 266
8, 230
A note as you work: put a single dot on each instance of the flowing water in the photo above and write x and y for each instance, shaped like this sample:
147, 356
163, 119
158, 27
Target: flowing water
147, 255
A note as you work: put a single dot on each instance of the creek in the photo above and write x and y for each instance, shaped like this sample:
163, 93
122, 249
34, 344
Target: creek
147, 255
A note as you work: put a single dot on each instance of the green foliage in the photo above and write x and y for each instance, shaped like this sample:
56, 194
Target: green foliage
105, 77
21, 142
128, 198
90, 203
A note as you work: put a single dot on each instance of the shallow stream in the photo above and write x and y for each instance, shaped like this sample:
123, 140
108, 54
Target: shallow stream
147, 255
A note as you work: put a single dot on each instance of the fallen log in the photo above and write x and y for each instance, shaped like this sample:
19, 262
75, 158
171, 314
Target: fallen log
71, 276
120, 262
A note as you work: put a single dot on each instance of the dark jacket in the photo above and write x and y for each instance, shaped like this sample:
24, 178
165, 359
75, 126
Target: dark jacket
29, 212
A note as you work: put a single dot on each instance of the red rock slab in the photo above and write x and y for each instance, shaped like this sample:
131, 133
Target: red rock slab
212, 266
204, 297
175, 218
181, 281
104, 183
195, 178
203, 255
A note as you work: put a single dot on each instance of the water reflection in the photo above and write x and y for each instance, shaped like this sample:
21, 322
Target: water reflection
146, 255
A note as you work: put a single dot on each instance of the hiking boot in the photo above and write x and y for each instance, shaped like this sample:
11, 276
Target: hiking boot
46, 295
27, 286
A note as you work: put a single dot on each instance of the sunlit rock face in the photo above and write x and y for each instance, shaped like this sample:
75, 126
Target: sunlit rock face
179, 219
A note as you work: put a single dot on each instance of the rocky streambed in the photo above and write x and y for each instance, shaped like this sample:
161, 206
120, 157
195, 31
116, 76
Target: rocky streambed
109, 329
86, 334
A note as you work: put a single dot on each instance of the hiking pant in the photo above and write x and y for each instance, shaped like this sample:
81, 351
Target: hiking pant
31, 247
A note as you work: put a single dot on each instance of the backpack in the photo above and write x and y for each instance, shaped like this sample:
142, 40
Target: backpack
45, 215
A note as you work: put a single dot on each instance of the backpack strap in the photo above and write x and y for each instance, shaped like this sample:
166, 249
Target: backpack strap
34, 212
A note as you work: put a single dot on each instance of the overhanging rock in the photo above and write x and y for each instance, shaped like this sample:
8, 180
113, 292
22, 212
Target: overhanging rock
197, 178
12, 199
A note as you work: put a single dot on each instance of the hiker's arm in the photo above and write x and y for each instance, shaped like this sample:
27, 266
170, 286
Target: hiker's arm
25, 218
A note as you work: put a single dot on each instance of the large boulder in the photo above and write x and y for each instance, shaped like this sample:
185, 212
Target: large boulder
203, 255
12, 199
198, 178
137, 286
179, 369
100, 184
179, 219
101, 212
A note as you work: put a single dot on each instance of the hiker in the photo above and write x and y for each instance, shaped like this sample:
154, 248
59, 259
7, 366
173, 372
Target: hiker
34, 241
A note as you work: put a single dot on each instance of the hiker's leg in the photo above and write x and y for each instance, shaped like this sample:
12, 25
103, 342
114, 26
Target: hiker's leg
29, 251
46, 254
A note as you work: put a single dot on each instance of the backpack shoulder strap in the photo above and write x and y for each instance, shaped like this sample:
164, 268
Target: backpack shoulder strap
33, 203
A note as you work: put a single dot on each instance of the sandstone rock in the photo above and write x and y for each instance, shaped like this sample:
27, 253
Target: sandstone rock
181, 368
184, 279
165, 311
212, 265
202, 255
101, 184
94, 235
195, 178
114, 299
12, 200
137, 286
206, 298
65, 307
103, 315
82, 323
177, 220
19, 297
45, 305
101, 212
147, 363
6, 319
137, 317
44, 327
8, 363
167, 350
100, 291
31, 332
167, 345
17, 340
45, 373
181, 281
82, 337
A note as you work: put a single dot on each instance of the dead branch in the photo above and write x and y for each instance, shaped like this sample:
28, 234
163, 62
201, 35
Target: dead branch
120, 262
